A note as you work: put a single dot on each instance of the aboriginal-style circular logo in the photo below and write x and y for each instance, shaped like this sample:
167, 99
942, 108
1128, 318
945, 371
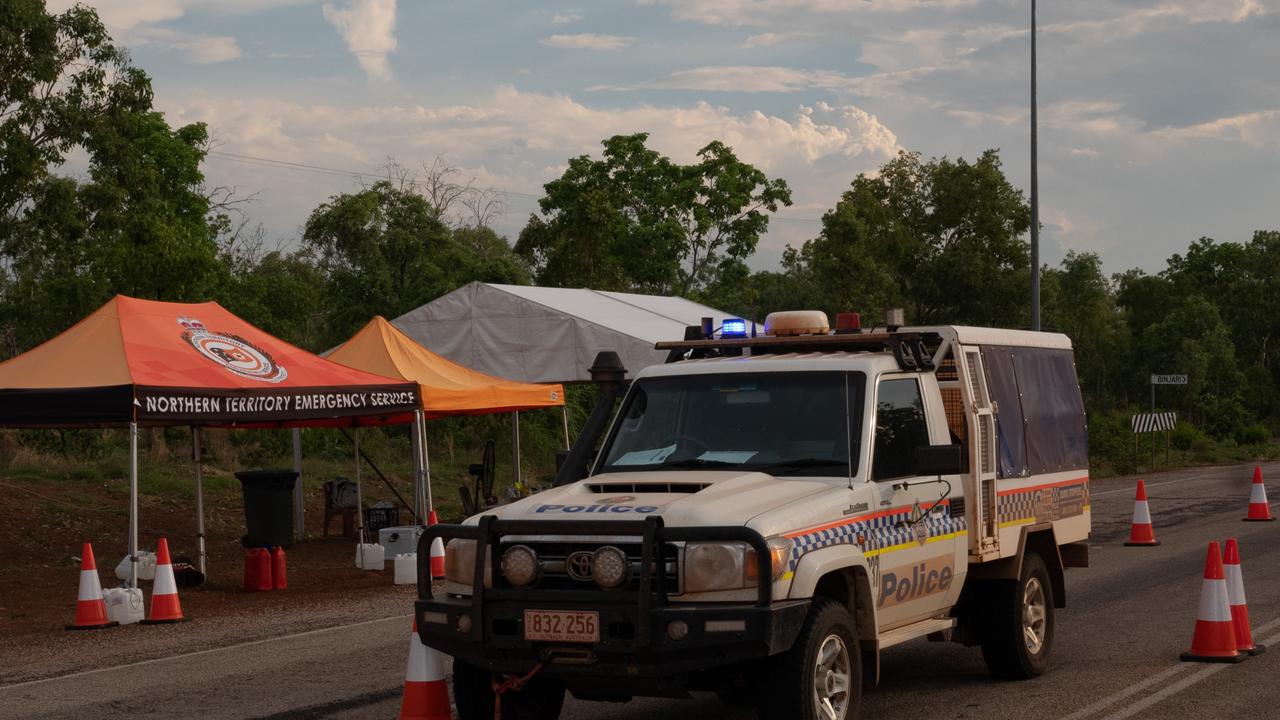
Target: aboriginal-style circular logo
232, 352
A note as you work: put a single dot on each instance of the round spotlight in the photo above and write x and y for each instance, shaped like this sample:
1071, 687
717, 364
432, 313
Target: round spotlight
464, 624
520, 565
609, 567
677, 630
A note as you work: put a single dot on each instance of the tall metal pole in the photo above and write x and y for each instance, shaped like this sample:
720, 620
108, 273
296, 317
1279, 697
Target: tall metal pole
133, 504
1035, 186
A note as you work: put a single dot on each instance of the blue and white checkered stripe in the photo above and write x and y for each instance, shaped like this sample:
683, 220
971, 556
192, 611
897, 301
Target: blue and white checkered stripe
878, 533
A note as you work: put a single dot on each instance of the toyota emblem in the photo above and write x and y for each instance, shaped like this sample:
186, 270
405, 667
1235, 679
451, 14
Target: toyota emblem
578, 565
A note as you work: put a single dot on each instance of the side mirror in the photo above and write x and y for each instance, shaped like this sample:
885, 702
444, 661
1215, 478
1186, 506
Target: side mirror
940, 460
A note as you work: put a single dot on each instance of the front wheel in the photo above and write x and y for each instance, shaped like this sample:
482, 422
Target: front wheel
1018, 630
820, 677
541, 699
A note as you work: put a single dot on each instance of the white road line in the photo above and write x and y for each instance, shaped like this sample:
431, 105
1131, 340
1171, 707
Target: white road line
197, 653
1204, 672
1138, 687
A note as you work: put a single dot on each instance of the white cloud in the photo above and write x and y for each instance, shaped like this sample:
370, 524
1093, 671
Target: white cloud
127, 14
769, 39
198, 49
516, 141
741, 78
565, 18
1255, 129
757, 12
588, 41
369, 29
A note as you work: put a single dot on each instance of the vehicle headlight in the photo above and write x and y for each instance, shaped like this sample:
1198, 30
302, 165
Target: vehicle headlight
520, 565
460, 563
609, 567
729, 566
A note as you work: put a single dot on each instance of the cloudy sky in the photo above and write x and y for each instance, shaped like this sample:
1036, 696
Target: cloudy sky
1160, 119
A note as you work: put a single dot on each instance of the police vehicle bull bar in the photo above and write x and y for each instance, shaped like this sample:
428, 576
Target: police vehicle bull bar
635, 637
652, 588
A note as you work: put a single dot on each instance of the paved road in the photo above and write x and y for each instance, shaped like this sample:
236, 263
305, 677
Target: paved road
1129, 616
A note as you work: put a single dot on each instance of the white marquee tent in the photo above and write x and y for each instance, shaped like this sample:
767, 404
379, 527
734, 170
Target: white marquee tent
541, 334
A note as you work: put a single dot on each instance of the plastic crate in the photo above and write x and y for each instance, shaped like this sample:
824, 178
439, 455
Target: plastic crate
377, 518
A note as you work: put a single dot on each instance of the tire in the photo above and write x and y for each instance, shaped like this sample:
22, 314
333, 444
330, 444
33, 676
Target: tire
541, 699
1018, 628
793, 692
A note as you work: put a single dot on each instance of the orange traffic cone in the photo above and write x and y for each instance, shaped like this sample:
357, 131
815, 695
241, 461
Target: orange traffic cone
1141, 533
91, 609
1235, 597
164, 593
1215, 635
426, 696
1259, 509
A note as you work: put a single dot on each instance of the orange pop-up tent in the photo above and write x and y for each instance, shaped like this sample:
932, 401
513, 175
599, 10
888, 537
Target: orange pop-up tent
138, 363
445, 387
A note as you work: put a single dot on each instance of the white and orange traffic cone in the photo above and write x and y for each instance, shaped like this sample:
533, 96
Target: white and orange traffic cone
426, 695
437, 558
1235, 597
1141, 533
437, 549
164, 593
1259, 509
91, 609
1215, 636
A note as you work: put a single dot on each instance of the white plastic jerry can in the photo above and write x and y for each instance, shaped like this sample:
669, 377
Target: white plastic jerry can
407, 569
124, 605
370, 556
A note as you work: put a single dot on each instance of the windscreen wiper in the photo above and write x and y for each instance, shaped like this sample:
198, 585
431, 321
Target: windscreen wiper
693, 463
799, 463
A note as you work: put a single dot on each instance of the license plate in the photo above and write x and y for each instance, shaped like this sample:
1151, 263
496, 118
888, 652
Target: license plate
575, 626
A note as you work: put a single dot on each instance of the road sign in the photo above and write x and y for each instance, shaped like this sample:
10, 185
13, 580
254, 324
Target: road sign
1168, 379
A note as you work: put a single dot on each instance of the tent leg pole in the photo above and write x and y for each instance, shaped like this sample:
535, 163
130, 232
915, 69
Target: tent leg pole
133, 504
299, 519
564, 414
196, 456
355, 440
515, 450
415, 448
426, 470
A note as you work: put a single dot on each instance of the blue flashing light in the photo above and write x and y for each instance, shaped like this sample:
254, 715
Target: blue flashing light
733, 327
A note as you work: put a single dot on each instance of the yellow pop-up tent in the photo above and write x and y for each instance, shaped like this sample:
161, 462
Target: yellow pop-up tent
446, 388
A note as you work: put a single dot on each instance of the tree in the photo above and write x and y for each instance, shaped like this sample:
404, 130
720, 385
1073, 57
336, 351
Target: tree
140, 223
1079, 301
636, 221
941, 238
384, 251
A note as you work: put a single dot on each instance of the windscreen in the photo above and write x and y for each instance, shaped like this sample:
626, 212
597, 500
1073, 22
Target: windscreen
785, 424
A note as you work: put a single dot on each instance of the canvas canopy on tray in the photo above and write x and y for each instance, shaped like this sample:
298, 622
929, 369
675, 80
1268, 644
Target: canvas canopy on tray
138, 363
